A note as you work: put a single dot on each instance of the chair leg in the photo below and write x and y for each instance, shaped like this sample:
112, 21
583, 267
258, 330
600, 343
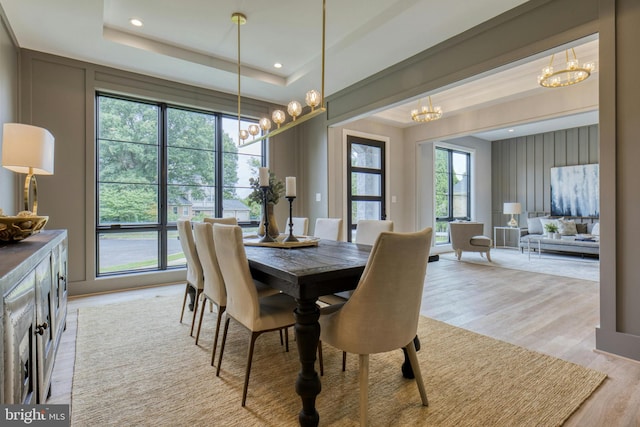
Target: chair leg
286, 339
224, 340
254, 336
320, 361
184, 301
344, 361
281, 341
489, 256
459, 253
364, 388
413, 359
195, 310
215, 339
204, 303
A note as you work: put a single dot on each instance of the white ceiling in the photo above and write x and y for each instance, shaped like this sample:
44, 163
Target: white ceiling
195, 42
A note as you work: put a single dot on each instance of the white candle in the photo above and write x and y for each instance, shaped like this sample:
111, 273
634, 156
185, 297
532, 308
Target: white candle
264, 177
290, 186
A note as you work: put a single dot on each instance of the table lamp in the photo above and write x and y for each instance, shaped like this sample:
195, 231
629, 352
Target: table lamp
512, 208
28, 149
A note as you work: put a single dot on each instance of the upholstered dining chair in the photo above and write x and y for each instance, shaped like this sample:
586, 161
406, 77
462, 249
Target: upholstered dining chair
195, 277
368, 230
300, 226
214, 286
258, 315
328, 228
467, 236
382, 314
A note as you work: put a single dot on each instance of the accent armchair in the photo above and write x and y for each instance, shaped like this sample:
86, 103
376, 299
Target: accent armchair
467, 236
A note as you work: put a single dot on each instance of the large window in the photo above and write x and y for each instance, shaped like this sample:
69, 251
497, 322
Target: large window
453, 189
159, 163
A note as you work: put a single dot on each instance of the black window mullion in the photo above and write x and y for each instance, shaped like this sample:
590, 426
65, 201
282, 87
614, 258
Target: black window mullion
219, 164
163, 192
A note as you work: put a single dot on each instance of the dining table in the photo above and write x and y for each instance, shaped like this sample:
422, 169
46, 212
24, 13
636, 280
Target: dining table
306, 273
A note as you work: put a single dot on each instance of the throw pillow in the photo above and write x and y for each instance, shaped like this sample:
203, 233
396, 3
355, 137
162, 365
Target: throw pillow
535, 226
567, 227
581, 228
596, 229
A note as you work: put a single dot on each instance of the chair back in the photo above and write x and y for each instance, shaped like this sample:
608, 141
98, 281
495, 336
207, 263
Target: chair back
328, 228
383, 312
194, 269
242, 296
369, 229
229, 221
214, 287
461, 233
300, 226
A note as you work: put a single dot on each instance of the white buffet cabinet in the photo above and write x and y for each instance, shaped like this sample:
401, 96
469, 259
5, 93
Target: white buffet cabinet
33, 283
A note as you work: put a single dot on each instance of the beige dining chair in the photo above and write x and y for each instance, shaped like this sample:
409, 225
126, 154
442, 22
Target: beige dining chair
382, 314
195, 277
300, 226
328, 228
258, 315
368, 230
214, 286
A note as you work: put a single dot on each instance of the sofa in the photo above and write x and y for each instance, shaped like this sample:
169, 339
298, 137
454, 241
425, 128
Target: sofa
576, 235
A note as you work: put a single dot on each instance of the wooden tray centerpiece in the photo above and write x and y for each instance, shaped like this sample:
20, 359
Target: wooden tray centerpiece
303, 241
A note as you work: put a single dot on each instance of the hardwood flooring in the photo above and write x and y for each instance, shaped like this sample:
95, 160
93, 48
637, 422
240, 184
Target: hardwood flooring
550, 314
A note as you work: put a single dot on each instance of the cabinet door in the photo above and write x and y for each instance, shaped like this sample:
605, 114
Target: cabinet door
44, 326
19, 343
59, 297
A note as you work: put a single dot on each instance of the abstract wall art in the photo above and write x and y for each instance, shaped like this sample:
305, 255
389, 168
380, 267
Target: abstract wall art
575, 191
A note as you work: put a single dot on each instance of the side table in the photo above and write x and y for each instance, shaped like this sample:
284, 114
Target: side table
504, 236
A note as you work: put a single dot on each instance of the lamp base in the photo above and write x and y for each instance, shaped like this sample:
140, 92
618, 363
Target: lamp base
512, 222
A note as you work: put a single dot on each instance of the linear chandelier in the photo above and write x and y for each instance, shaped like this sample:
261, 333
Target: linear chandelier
572, 73
313, 99
426, 114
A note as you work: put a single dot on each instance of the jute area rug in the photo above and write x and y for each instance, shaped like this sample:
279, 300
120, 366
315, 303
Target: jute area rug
136, 365
549, 263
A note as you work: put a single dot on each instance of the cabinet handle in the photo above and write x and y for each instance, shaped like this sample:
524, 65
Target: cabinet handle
40, 328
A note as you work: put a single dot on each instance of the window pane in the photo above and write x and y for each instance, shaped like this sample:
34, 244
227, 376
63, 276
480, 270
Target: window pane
190, 129
365, 210
190, 167
121, 120
175, 257
127, 162
133, 251
366, 156
365, 184
442, 232
239, 164
127, 204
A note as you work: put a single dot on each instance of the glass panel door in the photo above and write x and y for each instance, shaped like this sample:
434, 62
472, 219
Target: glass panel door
366, 178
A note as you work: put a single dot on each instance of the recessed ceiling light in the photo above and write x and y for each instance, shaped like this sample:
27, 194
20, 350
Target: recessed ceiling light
135, 22
277, 65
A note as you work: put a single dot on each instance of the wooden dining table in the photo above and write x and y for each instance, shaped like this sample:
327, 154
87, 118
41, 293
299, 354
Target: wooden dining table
307, 273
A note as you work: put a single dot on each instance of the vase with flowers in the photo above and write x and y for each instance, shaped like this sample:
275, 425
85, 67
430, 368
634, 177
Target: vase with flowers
274, 192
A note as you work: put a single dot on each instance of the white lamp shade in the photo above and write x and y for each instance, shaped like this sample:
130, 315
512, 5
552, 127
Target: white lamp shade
512, 208
25, 146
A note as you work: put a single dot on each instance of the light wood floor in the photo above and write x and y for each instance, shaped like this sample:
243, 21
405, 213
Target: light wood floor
550, 314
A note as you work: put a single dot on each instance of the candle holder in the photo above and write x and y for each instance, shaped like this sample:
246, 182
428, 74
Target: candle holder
265, 216
290, 237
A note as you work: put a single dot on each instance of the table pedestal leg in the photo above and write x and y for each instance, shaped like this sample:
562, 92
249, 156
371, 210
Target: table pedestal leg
308, 384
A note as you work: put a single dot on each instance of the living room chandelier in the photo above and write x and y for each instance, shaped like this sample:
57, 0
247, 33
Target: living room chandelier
572, 73
313, 99
426, 113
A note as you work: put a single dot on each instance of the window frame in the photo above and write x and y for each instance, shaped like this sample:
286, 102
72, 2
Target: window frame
450, 184
163, 227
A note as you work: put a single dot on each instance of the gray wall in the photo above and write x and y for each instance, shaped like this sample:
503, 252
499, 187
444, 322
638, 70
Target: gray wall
520, 167
8, 111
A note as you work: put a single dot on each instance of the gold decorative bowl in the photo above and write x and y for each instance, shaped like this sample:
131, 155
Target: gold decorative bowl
16, 228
